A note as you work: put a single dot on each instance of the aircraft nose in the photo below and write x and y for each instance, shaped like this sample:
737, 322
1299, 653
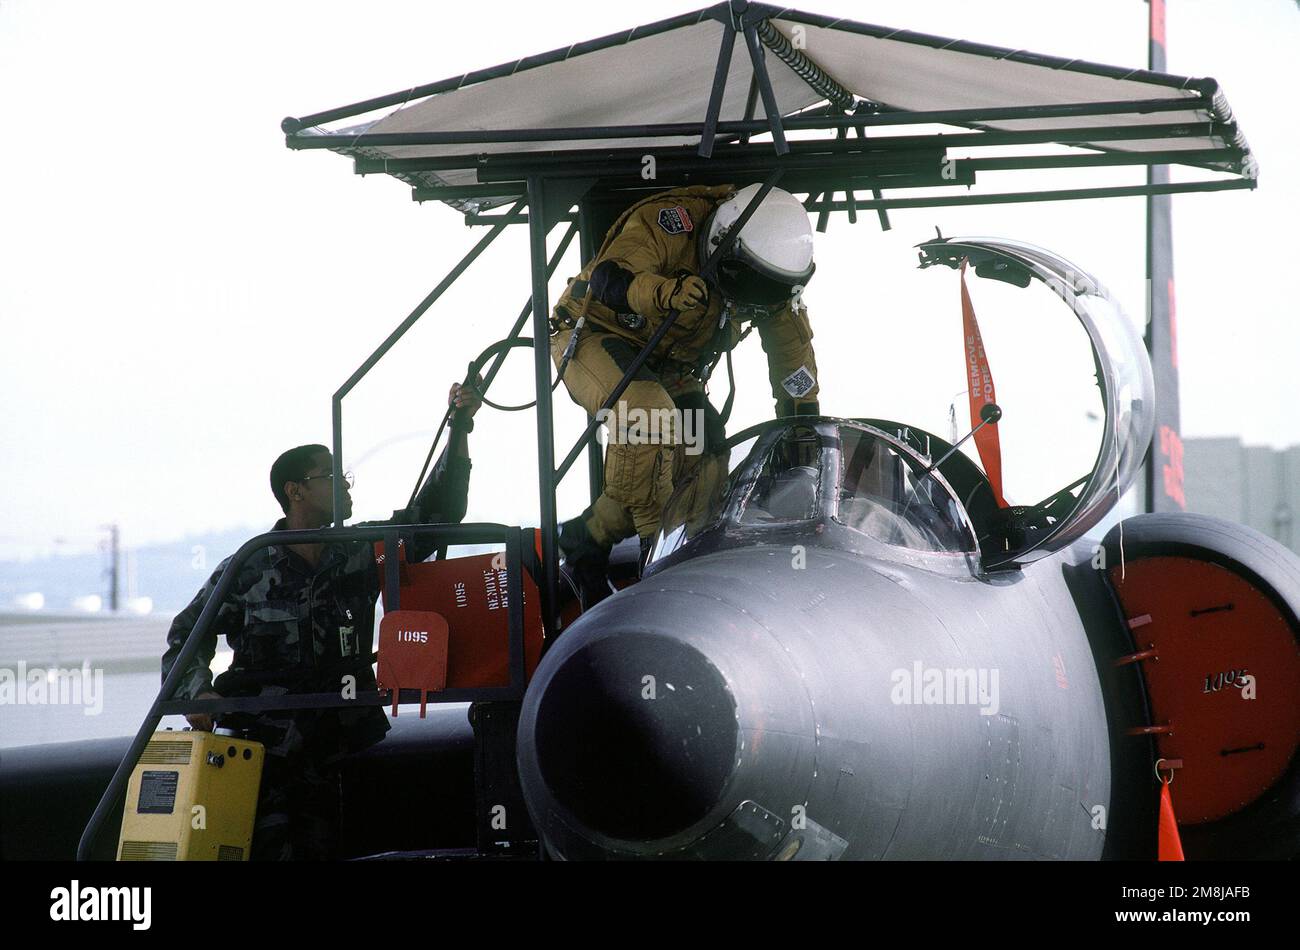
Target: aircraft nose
636, 736
659, 724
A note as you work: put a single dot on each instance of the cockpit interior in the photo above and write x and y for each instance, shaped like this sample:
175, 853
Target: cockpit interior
793, 473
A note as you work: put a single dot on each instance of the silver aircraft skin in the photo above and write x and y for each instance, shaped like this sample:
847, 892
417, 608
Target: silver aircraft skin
854, 653
809, 679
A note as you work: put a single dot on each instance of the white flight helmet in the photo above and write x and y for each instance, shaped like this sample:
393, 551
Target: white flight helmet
772, 255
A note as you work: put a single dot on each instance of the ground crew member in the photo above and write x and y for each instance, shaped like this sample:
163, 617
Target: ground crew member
299, 619
649, 264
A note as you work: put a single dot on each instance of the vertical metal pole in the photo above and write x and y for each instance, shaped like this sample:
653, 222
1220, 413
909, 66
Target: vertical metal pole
756, 57
875, 192
587, 247
515, 607
336, 466
115, 570
392, 572
719, 90
823, 218
751, 104
545, 422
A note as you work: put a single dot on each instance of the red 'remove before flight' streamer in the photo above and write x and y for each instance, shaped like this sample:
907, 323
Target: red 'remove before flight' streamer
980, 379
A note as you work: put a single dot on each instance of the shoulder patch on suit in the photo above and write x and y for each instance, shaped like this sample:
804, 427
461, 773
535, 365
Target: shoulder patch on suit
799, 382
675, 220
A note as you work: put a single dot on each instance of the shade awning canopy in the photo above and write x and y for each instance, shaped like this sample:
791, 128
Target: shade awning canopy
687, 90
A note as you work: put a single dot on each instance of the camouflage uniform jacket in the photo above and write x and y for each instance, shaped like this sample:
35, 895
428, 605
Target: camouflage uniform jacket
298, 629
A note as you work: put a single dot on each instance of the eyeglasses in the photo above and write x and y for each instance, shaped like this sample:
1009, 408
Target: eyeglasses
347, 477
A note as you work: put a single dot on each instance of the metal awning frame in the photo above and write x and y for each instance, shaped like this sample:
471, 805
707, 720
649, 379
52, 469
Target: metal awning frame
841, 112
544, 186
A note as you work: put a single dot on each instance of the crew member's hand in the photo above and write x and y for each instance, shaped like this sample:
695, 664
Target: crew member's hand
466, 398
692, 293
202, 721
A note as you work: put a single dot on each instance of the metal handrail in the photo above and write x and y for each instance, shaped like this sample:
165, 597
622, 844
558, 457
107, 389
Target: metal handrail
336, 404
163, 704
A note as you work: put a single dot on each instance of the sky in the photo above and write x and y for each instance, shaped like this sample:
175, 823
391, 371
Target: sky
180, 294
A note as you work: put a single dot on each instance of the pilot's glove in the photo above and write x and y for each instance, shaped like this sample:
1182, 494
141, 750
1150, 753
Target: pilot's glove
688, 293
653, 293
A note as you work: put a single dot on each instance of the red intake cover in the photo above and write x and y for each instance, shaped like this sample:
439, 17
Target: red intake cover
1219, 641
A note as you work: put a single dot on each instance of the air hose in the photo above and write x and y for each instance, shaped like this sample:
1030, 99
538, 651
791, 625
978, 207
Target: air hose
499, 347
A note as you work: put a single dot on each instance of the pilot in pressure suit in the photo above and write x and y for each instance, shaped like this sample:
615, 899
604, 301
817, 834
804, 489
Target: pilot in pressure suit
649, 265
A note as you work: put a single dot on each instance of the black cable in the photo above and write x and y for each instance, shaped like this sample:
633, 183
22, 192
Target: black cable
429, 458
500, 346
527, 405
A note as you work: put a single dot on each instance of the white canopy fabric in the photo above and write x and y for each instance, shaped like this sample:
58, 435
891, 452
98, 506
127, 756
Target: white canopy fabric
663, 73
917, 76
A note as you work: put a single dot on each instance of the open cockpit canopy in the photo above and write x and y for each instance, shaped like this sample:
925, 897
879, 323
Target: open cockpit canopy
1123, 380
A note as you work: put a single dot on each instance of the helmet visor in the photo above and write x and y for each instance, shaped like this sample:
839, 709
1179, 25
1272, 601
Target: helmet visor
740, 282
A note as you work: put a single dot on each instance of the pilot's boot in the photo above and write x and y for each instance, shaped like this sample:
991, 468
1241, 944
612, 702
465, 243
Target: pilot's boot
587, 558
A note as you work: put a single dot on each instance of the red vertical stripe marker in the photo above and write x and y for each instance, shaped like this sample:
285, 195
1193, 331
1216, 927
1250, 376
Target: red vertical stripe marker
1162, 473
980, 381
1169, 846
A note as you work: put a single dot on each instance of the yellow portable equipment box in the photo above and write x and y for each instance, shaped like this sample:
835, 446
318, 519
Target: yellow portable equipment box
192, 797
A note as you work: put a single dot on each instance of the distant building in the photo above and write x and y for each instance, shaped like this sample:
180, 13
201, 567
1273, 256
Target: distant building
1251, 484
